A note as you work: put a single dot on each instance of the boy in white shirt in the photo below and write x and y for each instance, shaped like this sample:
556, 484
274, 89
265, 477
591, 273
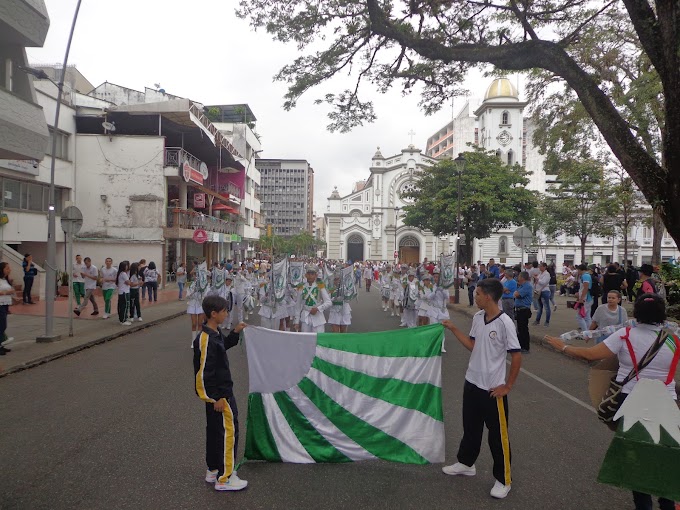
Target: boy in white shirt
485, 400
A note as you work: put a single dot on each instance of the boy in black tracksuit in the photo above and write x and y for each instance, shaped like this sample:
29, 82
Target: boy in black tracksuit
214, 386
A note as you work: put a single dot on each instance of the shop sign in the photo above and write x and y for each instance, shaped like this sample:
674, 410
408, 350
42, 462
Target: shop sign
191, 174
199, 200
200, 236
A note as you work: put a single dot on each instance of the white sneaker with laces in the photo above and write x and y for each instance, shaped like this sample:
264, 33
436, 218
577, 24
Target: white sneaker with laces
126, 323
234, 483
460, 469
140, 319
499, 491
211, 476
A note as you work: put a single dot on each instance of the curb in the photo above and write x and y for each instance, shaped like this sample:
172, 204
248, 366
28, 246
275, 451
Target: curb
51, 357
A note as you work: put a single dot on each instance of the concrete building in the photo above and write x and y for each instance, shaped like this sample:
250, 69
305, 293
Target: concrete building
146, 175
366, 224
287, 193
23, 129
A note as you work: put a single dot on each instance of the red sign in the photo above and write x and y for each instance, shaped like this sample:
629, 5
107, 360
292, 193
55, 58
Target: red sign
199, 200
191, 174
200, 236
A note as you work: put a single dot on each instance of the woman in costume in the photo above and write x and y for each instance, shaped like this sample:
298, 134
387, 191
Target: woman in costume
340, 315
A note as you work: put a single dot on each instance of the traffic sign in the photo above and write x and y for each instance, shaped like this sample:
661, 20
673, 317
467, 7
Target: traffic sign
71, 220
522, 237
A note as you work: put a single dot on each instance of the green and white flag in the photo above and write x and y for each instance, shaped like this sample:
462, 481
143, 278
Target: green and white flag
349, 289
297, 273
345, 397
280, 279
448, 277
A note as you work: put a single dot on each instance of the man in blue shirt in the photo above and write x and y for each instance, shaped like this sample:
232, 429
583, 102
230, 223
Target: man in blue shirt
493, 270
509, 288
523, 297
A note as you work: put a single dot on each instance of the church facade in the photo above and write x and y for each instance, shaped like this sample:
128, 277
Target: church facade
366, 224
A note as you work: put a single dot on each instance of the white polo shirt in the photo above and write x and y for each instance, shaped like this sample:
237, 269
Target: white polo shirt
493, 340
90, 284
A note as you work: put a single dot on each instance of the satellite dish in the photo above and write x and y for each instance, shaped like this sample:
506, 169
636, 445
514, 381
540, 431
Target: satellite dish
109, 126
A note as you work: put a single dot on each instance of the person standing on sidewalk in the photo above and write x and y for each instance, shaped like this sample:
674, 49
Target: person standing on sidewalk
181, 278
78, 280
542, 294
485, 393
90, 275
509, 288
150, 279
523, 298
141, 271
30, 271
585, 299
109, 275
552, 286
135, 284
7, 296
123, 284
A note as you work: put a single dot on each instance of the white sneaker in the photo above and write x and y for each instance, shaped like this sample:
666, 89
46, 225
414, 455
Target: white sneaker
499, 491
234, 483
211, 476
126, 323
9, 340
460, 469
392, 315
140, 319
105, 316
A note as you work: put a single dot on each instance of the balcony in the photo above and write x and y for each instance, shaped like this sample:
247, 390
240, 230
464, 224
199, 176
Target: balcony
23, 129
182, 223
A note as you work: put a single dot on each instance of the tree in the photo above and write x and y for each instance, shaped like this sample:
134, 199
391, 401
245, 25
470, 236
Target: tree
581, 205
629, 207
493, 196
432, 43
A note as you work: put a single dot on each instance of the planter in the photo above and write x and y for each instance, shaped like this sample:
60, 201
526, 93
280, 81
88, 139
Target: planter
63, 290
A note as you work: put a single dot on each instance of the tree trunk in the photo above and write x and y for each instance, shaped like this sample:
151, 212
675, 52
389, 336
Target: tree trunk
625, 242
583, 249
657, 225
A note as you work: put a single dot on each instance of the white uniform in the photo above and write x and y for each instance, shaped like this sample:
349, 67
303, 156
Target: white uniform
410, 303
439, 310
197, 291
310, 296
340, 311
426, 295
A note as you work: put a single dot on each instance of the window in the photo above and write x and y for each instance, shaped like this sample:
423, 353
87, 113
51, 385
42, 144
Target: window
12, 194
62, 144
511, 157
505, 118
569, 258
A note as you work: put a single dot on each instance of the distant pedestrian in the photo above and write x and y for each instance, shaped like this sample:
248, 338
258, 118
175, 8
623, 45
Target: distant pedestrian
77, 280
141, 271
509, 288
553, 285
181, 279
150, 279
523, 298
585, 299
542, 294
7, 296
135, 284
30, 272
90, 276
109, 274
368, 277
123, 284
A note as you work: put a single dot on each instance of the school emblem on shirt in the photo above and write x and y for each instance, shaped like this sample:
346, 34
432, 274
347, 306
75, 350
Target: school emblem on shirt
493, 335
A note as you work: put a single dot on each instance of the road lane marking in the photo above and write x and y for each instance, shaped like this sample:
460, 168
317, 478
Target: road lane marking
558, 390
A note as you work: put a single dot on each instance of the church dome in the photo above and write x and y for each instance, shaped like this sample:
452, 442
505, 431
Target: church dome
501, 87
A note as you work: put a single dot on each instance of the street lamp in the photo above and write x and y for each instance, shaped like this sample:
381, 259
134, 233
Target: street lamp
396, 248
460, 166
51, 272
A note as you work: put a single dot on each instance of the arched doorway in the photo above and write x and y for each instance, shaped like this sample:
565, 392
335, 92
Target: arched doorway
355, 248
409, 250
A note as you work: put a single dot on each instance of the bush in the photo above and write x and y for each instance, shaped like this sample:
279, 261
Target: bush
673, 311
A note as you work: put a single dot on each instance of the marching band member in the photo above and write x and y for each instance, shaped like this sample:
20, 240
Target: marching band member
267, 305
385, 286
411, 291
425, 296
312, 301
340, 315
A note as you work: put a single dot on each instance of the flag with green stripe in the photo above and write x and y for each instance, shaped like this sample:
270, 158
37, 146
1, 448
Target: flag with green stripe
345, 397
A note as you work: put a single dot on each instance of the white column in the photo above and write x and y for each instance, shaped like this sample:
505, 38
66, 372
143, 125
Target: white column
183, 195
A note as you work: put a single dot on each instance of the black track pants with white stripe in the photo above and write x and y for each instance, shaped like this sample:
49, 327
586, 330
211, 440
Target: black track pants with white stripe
480, 409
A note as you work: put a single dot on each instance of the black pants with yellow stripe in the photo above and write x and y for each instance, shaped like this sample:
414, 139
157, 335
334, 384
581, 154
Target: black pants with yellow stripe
480, 409
221, 439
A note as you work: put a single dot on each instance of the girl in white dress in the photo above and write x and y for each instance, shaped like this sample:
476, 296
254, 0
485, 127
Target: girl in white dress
411, 291
340, 315
197, 291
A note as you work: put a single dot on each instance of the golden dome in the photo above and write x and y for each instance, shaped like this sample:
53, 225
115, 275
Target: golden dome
501, 87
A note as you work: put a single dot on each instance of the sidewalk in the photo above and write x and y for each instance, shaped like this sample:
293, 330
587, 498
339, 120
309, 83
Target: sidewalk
27, 322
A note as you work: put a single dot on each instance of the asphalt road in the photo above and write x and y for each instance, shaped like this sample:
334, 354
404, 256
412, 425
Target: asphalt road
119, 426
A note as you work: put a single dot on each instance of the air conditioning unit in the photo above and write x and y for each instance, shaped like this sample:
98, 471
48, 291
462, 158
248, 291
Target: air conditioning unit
8, 195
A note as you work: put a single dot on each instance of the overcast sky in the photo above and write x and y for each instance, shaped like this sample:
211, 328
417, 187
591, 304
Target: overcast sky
202, 51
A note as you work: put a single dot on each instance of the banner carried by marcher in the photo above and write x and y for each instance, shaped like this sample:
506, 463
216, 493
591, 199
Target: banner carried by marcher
448, 277
319, 397
280, 279
349, 288
297, 273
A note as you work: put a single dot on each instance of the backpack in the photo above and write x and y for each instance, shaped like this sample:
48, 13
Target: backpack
596, 288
